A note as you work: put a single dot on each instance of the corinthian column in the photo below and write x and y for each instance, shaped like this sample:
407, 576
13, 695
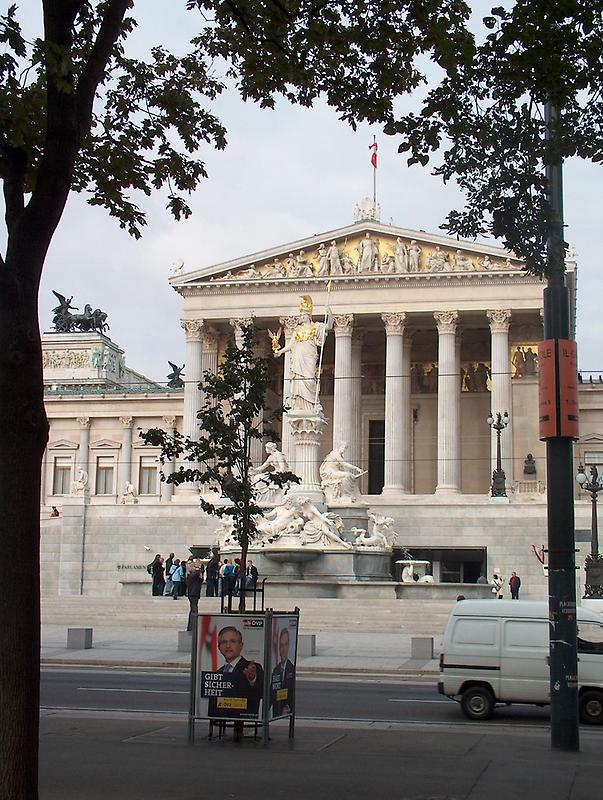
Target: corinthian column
193, 331
397, 406
356, 382
342, 393
125, 466
84, 449
238, 325
287, 445
449, 473
501, 397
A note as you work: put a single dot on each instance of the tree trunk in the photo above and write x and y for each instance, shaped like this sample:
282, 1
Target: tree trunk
23, 437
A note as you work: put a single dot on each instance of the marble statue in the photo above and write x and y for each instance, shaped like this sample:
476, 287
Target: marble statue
177, 267
129, 495
249, 272
339, 479
283, 519
368, 254
414, 255
436, 261
275, 270
291, 266
376, 541
335, 267
303, 268
266, 491
80, 484
347, 264
400, 256
485, 263
175, 377
303, 345
462, 262
225, 533
323, 529
382, 527
388, 264
322, 254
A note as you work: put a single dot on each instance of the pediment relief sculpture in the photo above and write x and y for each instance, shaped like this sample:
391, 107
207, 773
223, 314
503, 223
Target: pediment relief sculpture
367, 254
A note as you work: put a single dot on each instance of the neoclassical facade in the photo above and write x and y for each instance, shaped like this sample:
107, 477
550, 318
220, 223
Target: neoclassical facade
429, 337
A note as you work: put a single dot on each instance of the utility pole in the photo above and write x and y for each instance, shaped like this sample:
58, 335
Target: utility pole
559, 463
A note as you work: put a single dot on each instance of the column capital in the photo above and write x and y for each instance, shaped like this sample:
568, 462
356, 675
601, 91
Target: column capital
499, 320
289, 324
446, 321
84, 422
238, 323
209, 339
127, 422
170, 422
343, 324
394, 322
193, 328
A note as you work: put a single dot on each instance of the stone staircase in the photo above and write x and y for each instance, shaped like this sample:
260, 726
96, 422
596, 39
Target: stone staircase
317, 614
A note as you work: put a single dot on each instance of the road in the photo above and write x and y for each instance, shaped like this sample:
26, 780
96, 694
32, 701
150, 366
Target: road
317, 698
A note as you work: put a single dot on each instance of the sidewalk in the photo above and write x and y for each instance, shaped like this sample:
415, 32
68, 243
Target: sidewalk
375, 653
137, 758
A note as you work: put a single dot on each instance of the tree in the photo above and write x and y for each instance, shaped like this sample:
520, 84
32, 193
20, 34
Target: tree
233, 416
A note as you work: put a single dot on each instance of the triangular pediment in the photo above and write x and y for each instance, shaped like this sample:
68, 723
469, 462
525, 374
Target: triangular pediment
63, 444
105, 444
591, 438
367, 249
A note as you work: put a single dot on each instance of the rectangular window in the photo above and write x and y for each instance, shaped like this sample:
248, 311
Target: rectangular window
147, 475
593, 458
105, 466
61, 480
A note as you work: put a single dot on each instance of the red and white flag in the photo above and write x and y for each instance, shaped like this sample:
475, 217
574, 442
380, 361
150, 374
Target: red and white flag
374, 148
209, 642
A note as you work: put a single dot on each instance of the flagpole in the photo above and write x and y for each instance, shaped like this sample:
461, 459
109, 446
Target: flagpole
375, 172
322, 347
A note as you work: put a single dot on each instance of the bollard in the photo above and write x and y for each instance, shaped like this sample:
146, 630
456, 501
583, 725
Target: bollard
184, 641
306, 645
79, 638
421, 648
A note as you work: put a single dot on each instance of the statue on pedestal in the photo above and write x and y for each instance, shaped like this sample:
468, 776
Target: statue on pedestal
283, 519
80, 484
339, 479
307, 337
324, 529
266, 491
129, 495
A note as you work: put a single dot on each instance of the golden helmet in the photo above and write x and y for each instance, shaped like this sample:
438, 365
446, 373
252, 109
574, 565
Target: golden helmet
306, 303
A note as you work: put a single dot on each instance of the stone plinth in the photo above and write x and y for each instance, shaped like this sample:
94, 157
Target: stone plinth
307, 428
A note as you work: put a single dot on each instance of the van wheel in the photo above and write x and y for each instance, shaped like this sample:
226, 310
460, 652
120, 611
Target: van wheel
591, 707
477, 703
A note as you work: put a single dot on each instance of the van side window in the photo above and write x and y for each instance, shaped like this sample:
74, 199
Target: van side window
526, 634
476, 632
590, 637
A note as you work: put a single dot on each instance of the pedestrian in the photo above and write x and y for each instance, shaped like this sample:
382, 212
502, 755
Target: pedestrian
497, 584
157, 571
176, 576
227, 575
54, 512
194, 582
251, 575
184, 564
237, 577
211, 575
514, 584
169, 563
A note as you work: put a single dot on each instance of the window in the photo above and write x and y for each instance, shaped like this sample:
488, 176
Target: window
590, 637
147, 475
105, 466
61, 482
594, 458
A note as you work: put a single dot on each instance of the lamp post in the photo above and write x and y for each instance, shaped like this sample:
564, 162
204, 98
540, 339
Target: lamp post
593, 565
498, 423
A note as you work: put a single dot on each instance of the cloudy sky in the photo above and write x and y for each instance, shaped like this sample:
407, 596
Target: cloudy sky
285, 174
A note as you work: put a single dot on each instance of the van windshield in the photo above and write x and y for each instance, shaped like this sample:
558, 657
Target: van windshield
590, 637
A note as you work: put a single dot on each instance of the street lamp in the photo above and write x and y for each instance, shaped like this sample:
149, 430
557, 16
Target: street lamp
593, 565
498, 423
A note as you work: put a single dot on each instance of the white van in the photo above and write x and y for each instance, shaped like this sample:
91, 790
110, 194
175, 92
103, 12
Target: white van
497, 651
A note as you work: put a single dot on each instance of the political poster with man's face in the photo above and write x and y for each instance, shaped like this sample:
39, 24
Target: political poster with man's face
283, 653
230, 668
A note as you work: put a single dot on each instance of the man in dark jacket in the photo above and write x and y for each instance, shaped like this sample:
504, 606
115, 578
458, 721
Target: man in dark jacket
194, 581
282, 683
211, 574
246, 679
514, 584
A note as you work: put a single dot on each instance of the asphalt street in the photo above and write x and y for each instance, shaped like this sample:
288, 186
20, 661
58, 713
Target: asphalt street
377, 700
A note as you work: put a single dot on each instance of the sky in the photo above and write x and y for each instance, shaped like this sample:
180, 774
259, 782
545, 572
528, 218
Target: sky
284, 175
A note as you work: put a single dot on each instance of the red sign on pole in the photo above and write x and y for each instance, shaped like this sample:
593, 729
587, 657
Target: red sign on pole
558, 390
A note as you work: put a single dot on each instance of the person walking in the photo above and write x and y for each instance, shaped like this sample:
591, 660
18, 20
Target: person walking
157, 571
185, 565
194, 582
514, 585
211, 575
176, 574
497, 584
169, 563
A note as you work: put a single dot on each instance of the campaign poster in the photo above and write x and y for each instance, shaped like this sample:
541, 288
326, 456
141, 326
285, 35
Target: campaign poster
283, 654
230, 668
